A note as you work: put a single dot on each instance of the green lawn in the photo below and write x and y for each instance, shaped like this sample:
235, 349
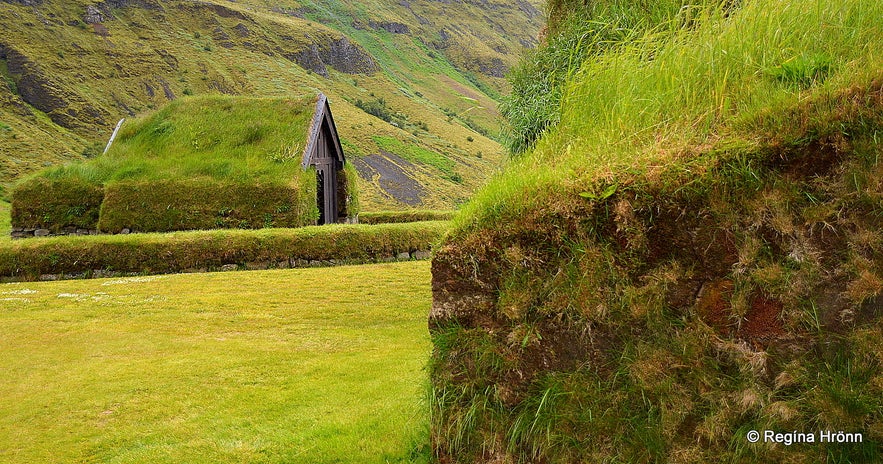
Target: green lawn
296, 366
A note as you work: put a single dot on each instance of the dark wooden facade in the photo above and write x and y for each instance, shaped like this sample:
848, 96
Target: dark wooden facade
325, 154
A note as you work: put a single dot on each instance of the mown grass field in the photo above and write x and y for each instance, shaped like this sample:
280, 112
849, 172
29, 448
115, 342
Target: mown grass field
298, 366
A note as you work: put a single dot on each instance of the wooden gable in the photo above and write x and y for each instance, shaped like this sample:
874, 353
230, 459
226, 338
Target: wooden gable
325, 153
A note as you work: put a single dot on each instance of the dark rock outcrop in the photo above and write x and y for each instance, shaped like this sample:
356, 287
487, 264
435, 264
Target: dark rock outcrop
107, 5
167, 90
392, 27
168, 58
222, 11
309, 59
444, 40
340, 54
24, 2
529, 10
63, 107
241, 30
493, 67
347, 57
93, 15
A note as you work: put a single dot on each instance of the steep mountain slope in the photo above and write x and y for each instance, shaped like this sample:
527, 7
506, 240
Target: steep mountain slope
414, 96
688, 267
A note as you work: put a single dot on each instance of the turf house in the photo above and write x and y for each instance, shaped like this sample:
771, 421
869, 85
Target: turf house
207, 162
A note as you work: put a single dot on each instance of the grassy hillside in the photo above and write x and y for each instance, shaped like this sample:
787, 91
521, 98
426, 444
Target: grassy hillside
296, 366
71, 71
691, 254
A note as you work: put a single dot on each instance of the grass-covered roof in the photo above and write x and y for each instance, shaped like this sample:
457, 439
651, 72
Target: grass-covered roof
224, 138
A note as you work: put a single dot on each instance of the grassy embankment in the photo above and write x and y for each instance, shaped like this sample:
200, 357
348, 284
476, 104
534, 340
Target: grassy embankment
297, 366
416, 215
693, 252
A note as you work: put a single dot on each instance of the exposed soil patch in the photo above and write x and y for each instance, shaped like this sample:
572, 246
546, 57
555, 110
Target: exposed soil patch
692, 235
763, 323
389, 170
558, 347
713, 304
815, 159
760, 326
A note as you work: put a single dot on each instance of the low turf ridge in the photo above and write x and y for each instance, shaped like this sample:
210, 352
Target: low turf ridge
414, 215
295, 366
196, 251
691, 253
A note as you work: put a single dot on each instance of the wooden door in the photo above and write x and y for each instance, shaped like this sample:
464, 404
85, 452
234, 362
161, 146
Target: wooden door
326, 181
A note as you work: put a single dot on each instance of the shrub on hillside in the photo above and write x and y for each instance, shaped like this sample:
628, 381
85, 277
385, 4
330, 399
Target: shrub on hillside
376, 108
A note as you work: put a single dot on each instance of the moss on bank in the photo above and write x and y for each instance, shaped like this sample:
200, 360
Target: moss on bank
692, 254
